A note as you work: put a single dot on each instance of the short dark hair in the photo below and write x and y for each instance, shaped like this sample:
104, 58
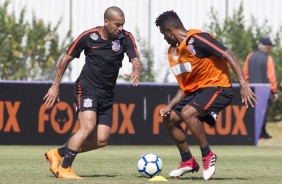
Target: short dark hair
111, 10
169, 18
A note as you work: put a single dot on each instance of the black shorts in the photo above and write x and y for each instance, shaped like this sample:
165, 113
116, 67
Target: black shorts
87, 98
210, 100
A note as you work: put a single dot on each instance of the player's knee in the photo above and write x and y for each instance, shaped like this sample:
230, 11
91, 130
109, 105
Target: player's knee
189, 112
87, 122
88, 128
172, 121
103, 141
88, 125
170, 124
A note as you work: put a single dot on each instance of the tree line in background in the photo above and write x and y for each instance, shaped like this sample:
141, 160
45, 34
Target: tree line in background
30, 51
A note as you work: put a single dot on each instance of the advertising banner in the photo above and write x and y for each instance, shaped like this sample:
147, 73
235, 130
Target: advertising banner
26, 120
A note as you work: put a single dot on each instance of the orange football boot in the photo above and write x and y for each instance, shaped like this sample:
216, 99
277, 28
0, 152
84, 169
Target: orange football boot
54, 159
66, 173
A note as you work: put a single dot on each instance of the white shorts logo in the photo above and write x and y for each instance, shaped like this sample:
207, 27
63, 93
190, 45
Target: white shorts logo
87, 102
214, 115
181, 68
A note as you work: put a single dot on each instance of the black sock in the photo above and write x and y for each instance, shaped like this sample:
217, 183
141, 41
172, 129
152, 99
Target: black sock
186, 156
62, 151
68, 158
205, 151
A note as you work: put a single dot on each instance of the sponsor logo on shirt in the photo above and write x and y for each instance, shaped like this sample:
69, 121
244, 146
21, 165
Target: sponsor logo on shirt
116, 45
191, 41
181, 68
175, 57
94, 36
190, 46
175, 54
191, 49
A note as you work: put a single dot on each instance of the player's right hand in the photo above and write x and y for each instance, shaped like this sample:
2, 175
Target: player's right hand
52, 95
135, 76
165, 111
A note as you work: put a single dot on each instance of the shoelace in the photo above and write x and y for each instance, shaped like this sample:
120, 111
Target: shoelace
206, 163
182, 164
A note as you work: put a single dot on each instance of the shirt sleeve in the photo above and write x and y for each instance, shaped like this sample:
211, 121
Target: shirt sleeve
206, 43
246, 67
271, 74
77, 46
130, 47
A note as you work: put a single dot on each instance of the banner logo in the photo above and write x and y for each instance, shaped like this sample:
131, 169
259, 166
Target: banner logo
61, 117
11, 123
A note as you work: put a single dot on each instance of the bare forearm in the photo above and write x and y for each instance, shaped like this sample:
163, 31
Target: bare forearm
136, 65
247, 95
235, 65
61, 68
179, 95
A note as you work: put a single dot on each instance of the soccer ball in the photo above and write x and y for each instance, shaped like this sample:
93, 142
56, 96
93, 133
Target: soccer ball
149, 165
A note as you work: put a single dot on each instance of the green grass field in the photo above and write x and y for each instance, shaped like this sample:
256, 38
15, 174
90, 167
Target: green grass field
117, 164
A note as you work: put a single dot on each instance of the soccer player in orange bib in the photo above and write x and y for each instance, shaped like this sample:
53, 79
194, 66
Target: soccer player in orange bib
200, 65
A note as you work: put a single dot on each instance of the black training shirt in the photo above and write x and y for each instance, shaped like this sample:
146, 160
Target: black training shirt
103, 57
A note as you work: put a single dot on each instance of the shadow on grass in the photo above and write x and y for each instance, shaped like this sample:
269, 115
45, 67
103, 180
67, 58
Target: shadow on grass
217, 179
98, 175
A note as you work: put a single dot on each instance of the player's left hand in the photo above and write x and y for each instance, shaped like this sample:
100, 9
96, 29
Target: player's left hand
134, 77
52, 95
248, 96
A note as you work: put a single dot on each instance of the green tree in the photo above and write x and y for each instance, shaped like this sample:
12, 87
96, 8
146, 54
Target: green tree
29, 51
241, 39
146, 57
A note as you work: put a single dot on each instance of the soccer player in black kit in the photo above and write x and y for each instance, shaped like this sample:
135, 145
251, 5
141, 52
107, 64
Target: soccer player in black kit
104, 48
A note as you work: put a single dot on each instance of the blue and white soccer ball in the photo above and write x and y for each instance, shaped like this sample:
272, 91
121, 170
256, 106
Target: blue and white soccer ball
149, 165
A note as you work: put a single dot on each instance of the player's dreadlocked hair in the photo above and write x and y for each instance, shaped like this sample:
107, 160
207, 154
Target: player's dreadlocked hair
169, 18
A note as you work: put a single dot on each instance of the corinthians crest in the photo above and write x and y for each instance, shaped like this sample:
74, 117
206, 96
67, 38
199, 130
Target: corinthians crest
87, 102
94, 36
116, 45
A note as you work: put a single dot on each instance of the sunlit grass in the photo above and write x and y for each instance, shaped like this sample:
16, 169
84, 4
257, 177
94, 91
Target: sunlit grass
117, 164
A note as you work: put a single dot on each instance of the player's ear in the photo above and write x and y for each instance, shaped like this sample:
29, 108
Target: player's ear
106, 21
169, 30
